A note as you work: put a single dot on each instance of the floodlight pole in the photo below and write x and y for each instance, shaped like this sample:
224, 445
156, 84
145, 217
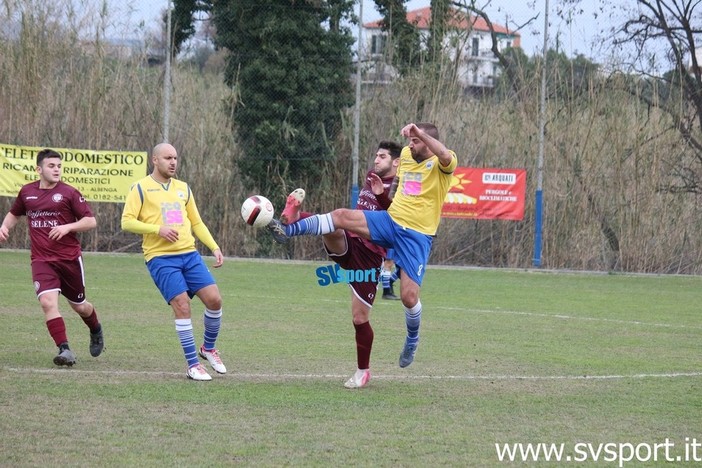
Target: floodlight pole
167, 78
538, 202
357, 112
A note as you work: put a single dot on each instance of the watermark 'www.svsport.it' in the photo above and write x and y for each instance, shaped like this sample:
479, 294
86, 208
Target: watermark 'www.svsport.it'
620, 452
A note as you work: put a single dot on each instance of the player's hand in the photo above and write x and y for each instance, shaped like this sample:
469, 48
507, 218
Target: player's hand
376, 183
58, 232
170, 234
409, 130
4, 233
219, 258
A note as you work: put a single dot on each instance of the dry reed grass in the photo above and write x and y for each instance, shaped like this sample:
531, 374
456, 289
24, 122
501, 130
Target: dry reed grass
606, 155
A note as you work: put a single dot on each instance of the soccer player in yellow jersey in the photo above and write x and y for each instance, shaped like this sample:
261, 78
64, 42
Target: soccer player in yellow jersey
162, 209
408, 226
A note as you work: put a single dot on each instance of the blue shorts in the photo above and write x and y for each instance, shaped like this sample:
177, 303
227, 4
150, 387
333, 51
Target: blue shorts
175, 274
411, 248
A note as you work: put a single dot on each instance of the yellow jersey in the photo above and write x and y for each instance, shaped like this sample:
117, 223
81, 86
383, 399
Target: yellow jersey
421, 191
150, 205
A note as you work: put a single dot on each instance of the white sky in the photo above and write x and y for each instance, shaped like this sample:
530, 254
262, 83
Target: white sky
582, 34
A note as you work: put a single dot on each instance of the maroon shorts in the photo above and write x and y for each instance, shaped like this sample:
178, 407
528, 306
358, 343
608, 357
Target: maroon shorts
64, 276
361, 254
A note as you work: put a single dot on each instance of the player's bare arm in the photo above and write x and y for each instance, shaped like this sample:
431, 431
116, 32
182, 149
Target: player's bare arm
84, 224
7, 224
434, 145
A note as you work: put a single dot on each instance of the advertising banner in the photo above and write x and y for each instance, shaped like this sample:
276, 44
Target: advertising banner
486, 194
101, 176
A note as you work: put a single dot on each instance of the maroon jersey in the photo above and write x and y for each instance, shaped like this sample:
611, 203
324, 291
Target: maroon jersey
46, 209
367, 200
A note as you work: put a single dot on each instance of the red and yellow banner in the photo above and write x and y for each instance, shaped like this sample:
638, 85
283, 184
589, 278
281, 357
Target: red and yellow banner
486, 194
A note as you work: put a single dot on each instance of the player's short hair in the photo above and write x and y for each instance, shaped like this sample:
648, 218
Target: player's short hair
429, 128
393, 148
45, 154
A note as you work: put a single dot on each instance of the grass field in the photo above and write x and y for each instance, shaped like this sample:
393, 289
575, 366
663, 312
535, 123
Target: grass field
506, 357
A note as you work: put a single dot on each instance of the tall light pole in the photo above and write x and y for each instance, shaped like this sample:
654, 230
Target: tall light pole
357, 111
539, 201
167, 78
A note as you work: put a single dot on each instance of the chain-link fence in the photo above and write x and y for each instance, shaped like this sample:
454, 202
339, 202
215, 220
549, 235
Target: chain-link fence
256, 106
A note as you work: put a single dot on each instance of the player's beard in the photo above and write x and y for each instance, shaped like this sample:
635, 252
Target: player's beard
381, 172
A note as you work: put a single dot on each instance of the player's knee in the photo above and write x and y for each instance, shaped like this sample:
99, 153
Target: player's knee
214, 303
83, 309
359, 317
409, 298
342, 216
181, 306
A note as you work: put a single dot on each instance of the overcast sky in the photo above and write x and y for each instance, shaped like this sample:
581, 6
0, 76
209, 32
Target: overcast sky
576, 37
578, 29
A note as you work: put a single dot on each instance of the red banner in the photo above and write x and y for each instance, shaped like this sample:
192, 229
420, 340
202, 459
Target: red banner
486, 194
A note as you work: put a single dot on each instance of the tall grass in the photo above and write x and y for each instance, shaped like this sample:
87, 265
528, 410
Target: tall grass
606, 155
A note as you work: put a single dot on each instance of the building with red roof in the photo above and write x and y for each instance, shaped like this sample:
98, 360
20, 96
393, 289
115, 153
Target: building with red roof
467, 41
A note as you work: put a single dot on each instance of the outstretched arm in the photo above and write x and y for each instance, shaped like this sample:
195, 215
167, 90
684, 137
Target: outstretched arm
436, 147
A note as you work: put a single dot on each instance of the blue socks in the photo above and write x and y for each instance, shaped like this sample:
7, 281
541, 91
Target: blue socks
212, 320
184, 328
316, 225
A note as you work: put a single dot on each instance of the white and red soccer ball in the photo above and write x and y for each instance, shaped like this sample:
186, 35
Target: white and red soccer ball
257, 211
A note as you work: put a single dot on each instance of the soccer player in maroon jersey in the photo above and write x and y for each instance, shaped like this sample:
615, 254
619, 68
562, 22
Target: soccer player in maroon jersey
55, 212
355, 253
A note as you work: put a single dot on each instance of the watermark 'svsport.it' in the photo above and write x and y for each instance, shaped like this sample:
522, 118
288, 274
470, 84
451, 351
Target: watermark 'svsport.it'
621, 452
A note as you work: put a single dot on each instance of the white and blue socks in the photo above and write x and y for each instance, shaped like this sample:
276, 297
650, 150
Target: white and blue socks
316, 225
212, 321
413, 319
385, 276
184, 328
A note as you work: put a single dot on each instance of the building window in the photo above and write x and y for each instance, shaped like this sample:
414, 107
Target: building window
475, 46
378, 44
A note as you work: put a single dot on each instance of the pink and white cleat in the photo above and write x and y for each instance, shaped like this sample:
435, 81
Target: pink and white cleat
198, 372
359, 380
291, 212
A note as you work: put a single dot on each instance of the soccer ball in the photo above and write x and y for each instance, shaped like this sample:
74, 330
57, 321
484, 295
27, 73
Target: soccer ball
257, 211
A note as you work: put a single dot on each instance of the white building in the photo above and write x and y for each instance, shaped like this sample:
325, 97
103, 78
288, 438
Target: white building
467, 41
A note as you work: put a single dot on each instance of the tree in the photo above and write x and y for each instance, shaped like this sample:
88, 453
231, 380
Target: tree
183, 20
404, 37
289, 67
440, 15
673, 26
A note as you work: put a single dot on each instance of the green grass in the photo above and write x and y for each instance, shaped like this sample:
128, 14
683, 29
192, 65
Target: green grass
505, 357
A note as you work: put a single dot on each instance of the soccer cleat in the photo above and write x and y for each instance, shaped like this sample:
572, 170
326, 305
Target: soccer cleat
213, 358
291, 213
65, 357
407, 355
277, 231
97, 343
359, 380
198, 372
